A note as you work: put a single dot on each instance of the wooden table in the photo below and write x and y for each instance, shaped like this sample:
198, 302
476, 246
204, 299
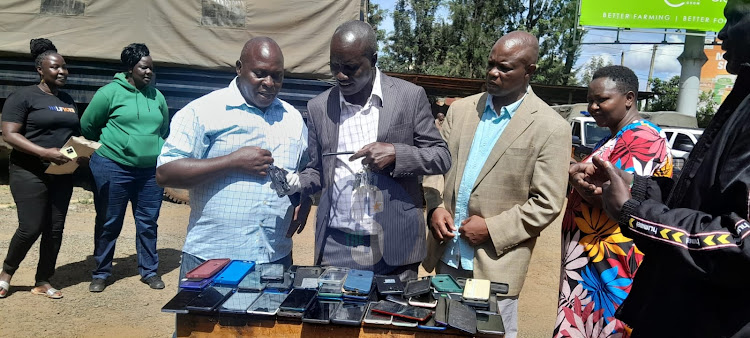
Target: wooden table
219, 325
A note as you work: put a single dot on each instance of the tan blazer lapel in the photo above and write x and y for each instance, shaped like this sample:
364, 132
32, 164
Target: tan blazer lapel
520, 121
468, 130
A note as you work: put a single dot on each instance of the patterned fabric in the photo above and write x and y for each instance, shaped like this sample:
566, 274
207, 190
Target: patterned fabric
490, 127
237, 215
358, 126
598, 262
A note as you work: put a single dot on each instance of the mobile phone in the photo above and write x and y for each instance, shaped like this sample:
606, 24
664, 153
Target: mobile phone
416, 287
477, 289
398, 310
209, 299
234, 273
397, 321
207, 269
423, 300
178, 303
492, 306
238, 302
355, 297
307, 277
251, 282
461, 317
330, 290
271, 272
333, 275
267, 304
298, 300
445, 283
431, 324
282, 285
490, 324
198, 284
441, 311
372, 317
349, 314
397, 299
499, 288
320, 311
389, 285
359, 281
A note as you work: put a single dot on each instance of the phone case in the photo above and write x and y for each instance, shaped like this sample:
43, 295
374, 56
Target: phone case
251, 282
477, 289
197, 285
461, 317
207, 269
238, 302
349, 314
282, 285
431, 324
499, 288
209, 299
309, 273
333, 275
372, 317
234, 273
359, 281
424, 300
179, 302
330, 291
403, 322
397, 299
389, 285
445, 283
416, 287
490, 324
355, 297
492, 308
441, 311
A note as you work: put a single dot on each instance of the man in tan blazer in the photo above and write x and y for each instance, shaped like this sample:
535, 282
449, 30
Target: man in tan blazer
510, 155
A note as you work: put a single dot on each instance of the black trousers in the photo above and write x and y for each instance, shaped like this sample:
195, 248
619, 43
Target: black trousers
42, 203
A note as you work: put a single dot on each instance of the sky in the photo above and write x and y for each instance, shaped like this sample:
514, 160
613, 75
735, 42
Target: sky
637, 56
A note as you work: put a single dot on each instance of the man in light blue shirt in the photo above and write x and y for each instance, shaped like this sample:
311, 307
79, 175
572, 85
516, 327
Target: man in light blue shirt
220, 147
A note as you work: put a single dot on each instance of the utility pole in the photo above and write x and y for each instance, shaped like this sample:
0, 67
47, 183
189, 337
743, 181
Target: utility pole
651, 68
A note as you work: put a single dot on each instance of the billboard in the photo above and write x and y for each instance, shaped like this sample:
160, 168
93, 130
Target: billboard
701, 15
714, 75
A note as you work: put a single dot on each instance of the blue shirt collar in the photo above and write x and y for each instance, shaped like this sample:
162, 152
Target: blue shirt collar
235, 100
509, 109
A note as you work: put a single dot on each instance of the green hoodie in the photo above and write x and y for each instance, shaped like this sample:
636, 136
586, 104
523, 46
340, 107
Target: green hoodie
130, 124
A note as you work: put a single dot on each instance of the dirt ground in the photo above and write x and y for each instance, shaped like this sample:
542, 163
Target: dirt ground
129, 308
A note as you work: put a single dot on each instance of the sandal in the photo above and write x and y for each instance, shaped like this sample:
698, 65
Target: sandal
4, 286
50, 293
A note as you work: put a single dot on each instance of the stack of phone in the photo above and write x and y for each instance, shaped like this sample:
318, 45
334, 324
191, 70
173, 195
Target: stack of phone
357, 285
204, 274
297, 302
306, 277
477, 293
331, 283
400, 315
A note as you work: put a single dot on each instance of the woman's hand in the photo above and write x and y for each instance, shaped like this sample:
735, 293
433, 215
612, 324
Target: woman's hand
54, 155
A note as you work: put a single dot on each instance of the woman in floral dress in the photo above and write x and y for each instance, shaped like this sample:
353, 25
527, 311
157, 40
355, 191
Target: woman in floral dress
598, 262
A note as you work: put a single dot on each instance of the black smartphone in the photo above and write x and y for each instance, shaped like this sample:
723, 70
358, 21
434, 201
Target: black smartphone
209, 299
179, 302
423, 300
461, 317
372, 317
251, 282
441, 311
320, 312
238, 302
490, 324
397, 299
417, 287
298, 300
403, 311
267, 304
349, 314
306, 277
281, 285
389, 285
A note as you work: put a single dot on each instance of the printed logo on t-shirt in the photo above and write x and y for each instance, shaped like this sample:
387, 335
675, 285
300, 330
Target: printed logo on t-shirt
65, 109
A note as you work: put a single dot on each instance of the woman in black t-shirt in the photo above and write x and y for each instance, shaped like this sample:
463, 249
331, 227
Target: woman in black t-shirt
36, 121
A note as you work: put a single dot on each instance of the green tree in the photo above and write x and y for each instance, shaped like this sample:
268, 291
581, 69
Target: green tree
587, 70
666, 94
375, 16
706, 108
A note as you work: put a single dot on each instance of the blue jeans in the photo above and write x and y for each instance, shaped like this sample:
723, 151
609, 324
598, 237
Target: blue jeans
116, 184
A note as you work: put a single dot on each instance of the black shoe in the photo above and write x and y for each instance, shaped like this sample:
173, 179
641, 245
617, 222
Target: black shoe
154, 282
97, 285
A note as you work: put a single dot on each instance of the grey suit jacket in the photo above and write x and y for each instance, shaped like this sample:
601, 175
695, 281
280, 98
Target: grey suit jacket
406, 122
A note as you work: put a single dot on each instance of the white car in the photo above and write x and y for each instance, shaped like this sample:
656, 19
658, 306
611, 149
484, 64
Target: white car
681, 141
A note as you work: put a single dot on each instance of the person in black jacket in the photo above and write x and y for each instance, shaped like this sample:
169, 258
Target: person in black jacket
693, 232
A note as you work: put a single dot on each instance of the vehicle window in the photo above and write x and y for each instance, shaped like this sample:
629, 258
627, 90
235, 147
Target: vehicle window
595, 133
576, 129
683, 142
669, 135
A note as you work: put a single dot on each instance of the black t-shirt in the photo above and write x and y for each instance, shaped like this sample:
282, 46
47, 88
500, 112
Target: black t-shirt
48, 120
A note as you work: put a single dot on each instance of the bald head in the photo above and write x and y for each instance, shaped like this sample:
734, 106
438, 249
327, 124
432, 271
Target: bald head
525, 43
357, 33
260, 71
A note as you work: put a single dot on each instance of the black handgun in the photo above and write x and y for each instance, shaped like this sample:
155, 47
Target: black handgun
278, 180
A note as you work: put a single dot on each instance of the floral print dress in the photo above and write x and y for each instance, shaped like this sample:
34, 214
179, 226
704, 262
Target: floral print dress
598, 262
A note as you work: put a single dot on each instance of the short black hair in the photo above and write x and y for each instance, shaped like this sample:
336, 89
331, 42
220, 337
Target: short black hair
624, 78
132, 54
40, 49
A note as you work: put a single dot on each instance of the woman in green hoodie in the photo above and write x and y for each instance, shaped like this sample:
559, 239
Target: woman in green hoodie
129, 117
